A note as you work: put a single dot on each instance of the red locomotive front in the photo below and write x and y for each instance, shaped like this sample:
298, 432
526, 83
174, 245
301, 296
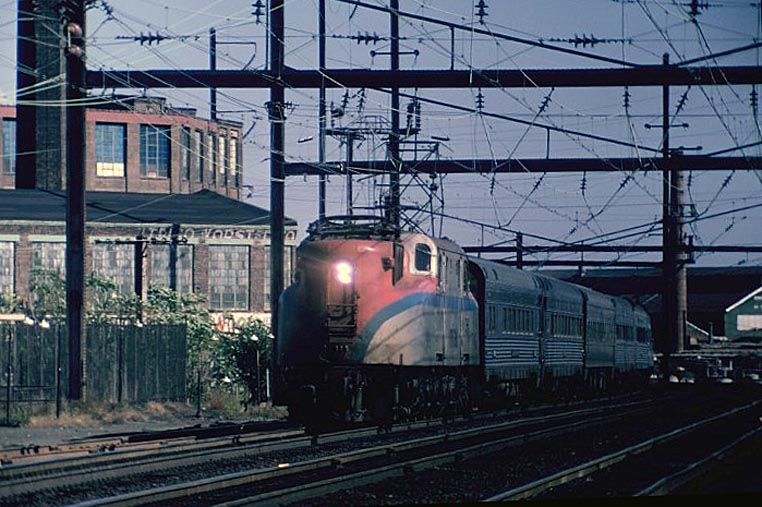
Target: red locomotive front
371, 312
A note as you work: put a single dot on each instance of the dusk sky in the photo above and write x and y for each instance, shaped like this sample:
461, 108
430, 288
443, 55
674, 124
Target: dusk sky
569, 207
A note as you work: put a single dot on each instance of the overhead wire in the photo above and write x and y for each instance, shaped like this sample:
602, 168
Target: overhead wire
494, 157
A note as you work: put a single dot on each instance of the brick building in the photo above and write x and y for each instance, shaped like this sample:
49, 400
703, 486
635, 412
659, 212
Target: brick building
138, 144
203, 243
160, 181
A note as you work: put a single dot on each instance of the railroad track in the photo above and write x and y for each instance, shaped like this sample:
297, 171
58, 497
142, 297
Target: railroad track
72, 468
654, 467
137, 440
290, 480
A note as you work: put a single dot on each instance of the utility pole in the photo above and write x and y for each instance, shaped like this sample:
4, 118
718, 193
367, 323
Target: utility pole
674, 295
321, 105
349, 136
213, 67
350, 149
668, 277
74, 53
393, 212
519, 250
277, 160
26, 78
677, 199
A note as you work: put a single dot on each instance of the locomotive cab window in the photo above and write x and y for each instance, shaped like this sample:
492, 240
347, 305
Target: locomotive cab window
399, 256
422, 257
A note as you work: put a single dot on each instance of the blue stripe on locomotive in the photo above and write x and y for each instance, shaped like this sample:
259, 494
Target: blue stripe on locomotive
426, 307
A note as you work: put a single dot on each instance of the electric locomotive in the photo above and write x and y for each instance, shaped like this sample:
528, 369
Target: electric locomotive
382, 325
377, 325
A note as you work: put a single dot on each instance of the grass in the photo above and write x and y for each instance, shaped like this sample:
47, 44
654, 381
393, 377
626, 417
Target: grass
217, 405
216, 408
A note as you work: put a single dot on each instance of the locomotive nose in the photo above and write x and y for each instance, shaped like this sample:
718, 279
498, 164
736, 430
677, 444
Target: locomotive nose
341, 306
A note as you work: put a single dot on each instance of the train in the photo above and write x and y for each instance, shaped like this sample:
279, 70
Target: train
382, 325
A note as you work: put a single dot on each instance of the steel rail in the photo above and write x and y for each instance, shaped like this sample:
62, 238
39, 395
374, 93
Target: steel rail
337, 463
34, 477
32, 462
541, 485
694, 470
133, 440
31, 477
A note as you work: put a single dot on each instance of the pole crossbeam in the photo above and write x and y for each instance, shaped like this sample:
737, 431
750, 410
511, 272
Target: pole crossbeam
530, 249
646, 75
540, 165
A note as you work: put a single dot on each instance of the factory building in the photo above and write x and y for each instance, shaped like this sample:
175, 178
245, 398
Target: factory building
164, 206
137, 144
205, 243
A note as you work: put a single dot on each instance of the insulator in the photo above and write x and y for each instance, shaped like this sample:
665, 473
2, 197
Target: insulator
76, 51
480, 100
585, 40
696, 7
544, 105
753, 100
367, 38
258, 6
361, 100
481, 11
74, 29
681, 102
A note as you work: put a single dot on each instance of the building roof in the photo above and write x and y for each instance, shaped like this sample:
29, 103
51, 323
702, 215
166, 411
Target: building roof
743, 300
203, 207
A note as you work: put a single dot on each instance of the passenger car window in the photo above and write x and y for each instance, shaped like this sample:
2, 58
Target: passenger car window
422, 257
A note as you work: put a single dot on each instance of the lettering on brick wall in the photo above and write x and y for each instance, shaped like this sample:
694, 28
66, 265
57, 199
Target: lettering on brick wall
197, 233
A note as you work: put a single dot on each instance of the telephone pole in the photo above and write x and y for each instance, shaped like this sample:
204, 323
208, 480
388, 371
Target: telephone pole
393, 213
74, 53
321, 106
674, 295
277, 158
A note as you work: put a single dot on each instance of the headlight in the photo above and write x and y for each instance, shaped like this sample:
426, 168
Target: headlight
343, 271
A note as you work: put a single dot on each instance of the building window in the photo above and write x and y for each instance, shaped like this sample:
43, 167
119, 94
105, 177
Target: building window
228, 277
9, 146
50, 257
116, 262
235, 160
185, 155
224, 162
154, 151
161, 267
212, 159
199, 165
288, 252
109, 149
749, 322
6, 268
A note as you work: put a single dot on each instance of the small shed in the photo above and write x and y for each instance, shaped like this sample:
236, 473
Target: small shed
696, 335
743, 319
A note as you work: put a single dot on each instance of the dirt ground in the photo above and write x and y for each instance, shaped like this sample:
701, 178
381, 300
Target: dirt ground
11, 437
49, 430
